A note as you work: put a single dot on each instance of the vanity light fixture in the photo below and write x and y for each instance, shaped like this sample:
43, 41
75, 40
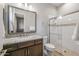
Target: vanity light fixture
22, 4
26, 5
60, 17
19, 4
30, 7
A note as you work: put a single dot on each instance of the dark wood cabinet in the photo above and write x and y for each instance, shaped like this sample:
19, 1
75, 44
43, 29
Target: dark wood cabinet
19, 52
35, 50
29, 48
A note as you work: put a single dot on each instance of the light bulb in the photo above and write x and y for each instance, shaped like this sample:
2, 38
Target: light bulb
19, 4
30, 7
60, 17
25, 4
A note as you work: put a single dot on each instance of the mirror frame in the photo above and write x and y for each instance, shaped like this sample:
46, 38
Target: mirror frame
6, 19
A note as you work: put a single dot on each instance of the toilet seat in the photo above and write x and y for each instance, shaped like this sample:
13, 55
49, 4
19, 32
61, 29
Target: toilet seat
49, 47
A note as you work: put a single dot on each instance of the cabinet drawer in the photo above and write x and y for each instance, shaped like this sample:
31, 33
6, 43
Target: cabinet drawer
38, 41
19, 52
25, 44
11, 47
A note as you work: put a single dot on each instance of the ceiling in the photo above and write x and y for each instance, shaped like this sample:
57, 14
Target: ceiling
53, 4
57, 4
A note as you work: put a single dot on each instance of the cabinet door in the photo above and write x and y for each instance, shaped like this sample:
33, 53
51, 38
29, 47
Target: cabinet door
19, 52
26, 52
35, 50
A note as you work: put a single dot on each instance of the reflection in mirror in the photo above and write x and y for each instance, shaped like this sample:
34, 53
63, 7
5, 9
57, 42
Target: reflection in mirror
20, 20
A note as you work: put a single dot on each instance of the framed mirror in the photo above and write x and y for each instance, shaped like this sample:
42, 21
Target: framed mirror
18, 20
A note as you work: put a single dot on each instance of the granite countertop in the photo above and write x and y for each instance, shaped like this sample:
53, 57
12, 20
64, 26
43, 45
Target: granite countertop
21, 39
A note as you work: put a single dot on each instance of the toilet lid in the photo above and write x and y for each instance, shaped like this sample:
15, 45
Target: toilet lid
48, 45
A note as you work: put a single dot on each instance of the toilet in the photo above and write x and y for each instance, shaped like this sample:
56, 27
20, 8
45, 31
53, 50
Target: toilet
47, 47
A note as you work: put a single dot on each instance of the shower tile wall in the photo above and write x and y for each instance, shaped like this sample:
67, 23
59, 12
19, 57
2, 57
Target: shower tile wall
61, 36
56, 36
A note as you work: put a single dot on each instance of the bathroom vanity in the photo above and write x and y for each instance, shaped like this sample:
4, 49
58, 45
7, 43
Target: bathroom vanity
19, 23
31, 46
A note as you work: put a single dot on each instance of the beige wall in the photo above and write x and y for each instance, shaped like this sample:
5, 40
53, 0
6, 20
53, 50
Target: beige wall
43, 13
